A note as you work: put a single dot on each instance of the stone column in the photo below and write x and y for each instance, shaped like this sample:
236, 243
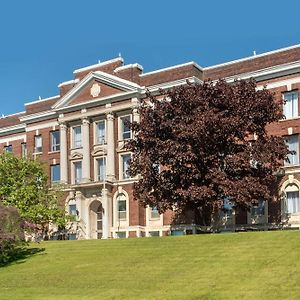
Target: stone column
110, 159
63, 154
86, 163
105, 216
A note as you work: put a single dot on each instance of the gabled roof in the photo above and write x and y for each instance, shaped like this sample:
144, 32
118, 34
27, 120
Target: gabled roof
110, 80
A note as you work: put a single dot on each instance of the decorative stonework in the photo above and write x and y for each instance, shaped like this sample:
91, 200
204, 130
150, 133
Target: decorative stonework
95, 90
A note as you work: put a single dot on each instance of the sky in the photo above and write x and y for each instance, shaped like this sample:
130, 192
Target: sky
43, 42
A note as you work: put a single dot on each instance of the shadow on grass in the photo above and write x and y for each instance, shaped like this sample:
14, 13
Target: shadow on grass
20, 255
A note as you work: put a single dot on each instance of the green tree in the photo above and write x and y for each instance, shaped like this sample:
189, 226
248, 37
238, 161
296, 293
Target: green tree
24, 185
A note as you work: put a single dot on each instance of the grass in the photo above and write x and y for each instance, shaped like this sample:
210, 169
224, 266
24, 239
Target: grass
258, 265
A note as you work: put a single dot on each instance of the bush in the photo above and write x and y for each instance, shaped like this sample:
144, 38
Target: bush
11, 233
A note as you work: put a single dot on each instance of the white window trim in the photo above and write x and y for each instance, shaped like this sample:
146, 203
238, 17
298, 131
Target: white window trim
96, 168
51, 141
121, 165
120, 133
290, 164
73, 170
55, 181
39, 152
72, 137
116, 222
283, 98
95, 132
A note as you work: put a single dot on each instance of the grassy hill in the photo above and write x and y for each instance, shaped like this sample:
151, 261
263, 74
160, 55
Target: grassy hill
261, 265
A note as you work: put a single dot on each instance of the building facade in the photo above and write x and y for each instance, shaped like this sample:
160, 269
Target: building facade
80, 134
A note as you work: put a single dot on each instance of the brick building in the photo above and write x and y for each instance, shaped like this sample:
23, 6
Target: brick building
80, 134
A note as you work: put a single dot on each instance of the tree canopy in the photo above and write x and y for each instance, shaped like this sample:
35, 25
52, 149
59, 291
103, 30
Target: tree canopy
23, 184
199, 144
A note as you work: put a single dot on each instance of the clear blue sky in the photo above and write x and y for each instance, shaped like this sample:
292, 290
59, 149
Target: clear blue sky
42, 42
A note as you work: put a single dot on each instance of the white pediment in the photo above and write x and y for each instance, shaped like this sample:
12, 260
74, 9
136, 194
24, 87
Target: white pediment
95, 79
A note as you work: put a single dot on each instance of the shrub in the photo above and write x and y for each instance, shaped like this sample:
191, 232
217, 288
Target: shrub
11, 233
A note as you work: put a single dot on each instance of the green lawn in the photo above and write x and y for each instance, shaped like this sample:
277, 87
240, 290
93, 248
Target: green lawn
260, 265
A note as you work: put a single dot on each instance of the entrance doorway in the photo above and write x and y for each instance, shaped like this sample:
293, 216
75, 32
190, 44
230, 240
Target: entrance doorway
96, 215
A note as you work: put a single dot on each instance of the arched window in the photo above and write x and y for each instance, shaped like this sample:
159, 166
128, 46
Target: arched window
291, 202
121, 207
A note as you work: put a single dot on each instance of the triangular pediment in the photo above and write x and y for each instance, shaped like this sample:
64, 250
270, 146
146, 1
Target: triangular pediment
96, 85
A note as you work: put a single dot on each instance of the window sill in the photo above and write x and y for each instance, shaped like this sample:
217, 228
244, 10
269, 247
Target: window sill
53, 152
37, 153
77, 148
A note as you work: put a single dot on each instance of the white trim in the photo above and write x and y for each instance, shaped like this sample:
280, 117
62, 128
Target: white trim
12, 128
174, 67
266, 73
252, 57
136, 65
73, 81
102, 77
42, 100
42, 126
38, 116
171, 84
13, 138
280, 83
11, 115
98, 65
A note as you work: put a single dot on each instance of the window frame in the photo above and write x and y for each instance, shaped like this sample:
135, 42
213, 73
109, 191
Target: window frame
24, 150
294, 107
294, 161
122, 171
8, 149
121, 128
74, 142
96, 130
98, 177
54, 147
74, 163
51, 173
36, 137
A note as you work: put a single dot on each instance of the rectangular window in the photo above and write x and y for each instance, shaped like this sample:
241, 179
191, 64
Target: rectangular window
121, 234
78, 171
101, 164
72, 210
125, 128
8, 149
125, 165
55, 141
77, 140
290, 106
293, 144
154, 213
259, 209
292, 199
153, 233
38, 144
122, 209
24, 149
55, 173
100, 132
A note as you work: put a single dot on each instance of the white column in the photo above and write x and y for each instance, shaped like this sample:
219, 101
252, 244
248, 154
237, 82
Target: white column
63, 153
86, 163
105, 217
110, 162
